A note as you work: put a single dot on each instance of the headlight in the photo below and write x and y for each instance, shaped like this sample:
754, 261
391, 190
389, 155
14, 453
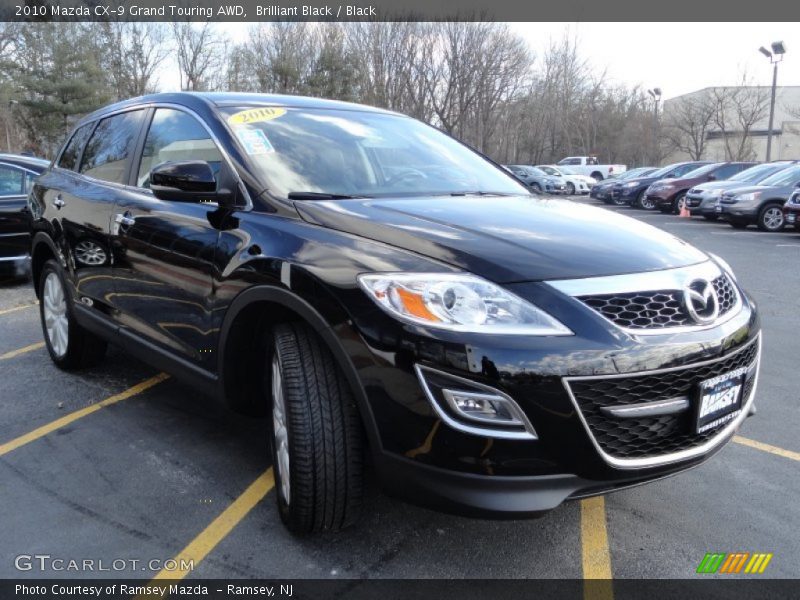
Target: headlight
631, 184
715, 193
723, 264
457, 302
747, 197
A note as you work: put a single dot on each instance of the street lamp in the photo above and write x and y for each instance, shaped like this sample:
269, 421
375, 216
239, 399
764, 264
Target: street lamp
776, 56
655, 94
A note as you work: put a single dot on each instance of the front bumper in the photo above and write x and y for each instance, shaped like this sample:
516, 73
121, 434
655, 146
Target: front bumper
701, 204
792, 215
426, 461
741, 211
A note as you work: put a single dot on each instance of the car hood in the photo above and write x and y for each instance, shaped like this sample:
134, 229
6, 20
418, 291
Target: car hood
506, 239
718, 185
639, 181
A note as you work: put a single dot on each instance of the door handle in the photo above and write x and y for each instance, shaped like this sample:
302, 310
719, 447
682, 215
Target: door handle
124, 219
58, 202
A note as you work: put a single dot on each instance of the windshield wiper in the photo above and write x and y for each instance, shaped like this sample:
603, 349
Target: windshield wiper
320, 196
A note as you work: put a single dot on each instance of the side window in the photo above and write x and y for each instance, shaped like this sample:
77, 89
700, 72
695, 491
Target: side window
69, 157
107, 152
728, 171
173, 136
12, 181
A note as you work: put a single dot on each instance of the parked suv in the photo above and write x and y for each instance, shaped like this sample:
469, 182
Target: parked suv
762, 204
702, 199
16, 178
669, 194
633, 192
380, 289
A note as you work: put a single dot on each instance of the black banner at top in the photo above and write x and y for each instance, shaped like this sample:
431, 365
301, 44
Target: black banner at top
397, 10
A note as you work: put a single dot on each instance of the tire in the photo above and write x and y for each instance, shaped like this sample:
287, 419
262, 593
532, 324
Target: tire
770, 218
536, 188
644, 203
678, 203
711, 217
70, 346
317, 442
738, 224
570, 188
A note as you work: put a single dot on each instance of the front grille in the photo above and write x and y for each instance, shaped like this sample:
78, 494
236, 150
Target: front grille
657, 309
653, 436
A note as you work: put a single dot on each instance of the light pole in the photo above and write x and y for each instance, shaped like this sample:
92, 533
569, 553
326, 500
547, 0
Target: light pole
776, 56
655, 94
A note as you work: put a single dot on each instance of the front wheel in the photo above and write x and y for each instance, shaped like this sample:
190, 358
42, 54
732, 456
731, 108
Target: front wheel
316, 434
536, 188
70, 346
770, 218
645, 202
570, 188
679, 203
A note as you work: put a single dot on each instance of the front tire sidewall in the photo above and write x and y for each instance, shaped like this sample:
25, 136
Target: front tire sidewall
762, 218
62, 360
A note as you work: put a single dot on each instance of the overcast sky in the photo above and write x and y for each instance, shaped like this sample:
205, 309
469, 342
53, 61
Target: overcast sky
677, 57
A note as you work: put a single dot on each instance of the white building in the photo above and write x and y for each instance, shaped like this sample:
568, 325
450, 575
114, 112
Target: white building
785, 128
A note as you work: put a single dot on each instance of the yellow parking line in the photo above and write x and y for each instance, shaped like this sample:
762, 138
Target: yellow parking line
220, 527
767, 448
595, 552
14, 353
6, 311
79, 414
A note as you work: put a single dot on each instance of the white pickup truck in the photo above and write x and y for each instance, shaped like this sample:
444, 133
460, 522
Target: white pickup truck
589, 165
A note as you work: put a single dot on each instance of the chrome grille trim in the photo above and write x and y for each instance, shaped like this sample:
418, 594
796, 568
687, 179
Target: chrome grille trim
668, 280
653, 461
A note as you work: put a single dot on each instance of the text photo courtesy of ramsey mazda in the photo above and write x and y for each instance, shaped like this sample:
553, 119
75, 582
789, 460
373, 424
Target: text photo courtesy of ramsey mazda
334, 267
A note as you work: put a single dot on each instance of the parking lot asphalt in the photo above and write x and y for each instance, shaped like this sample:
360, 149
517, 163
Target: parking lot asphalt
158, 472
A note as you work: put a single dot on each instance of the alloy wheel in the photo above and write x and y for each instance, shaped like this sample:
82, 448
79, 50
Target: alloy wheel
773, 218
55, 314
280, 432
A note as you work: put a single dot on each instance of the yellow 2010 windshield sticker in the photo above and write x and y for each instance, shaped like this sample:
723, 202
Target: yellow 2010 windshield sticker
256, 115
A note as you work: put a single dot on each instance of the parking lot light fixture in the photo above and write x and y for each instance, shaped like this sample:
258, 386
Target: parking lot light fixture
776, 56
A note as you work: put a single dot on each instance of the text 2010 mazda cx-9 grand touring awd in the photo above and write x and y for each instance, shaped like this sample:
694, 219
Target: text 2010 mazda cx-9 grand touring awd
389, 297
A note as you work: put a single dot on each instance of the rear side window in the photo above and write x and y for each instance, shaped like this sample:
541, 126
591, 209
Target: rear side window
728, 170
12, 181
174, 136
69, 157
109, 149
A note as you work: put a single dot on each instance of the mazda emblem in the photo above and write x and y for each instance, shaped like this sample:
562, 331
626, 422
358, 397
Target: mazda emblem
701, 302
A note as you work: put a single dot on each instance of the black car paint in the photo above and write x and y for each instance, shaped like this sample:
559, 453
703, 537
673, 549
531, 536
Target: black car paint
15, 225
185, 284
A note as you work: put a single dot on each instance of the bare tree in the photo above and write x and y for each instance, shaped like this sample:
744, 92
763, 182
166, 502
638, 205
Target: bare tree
200, 50
738, 109
132, 53
688, 121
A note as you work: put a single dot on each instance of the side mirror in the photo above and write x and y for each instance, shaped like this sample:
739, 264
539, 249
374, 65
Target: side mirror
184, 181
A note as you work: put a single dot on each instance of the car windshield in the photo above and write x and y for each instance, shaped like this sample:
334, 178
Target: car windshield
784, 177
664, 170
313, 153
700, 171
758, 173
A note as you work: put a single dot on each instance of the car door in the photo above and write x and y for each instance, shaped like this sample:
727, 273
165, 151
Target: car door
164, 249
14, 221
79, 195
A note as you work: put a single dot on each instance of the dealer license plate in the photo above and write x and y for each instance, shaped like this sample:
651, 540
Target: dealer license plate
720, 400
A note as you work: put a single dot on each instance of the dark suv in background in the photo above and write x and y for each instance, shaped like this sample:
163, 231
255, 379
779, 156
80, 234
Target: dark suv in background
632, 192
668, 194
702, 199
375, 286
17, 174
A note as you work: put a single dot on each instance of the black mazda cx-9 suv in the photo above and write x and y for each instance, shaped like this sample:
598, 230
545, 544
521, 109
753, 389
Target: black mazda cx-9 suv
388, 297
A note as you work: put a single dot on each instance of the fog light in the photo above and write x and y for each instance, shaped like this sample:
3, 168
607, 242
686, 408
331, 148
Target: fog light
480, 407
473, 407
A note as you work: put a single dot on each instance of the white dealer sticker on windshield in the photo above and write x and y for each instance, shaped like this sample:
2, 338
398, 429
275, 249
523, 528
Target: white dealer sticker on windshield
254, 141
